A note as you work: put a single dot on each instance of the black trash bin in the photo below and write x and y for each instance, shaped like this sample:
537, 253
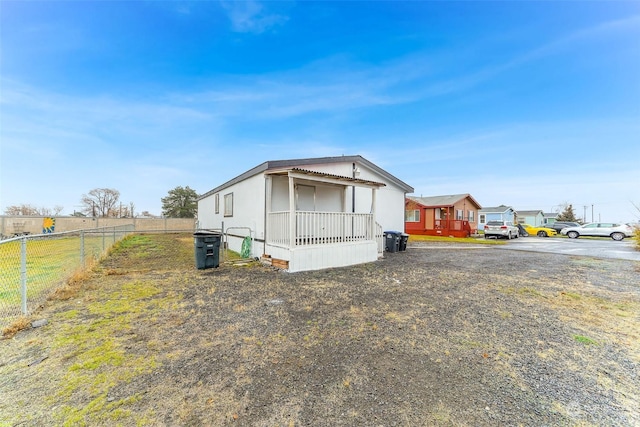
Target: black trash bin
392, 241
207, 249
404, 239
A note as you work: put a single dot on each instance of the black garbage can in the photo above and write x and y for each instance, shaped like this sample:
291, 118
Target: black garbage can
404, 239
391, 241
207, 249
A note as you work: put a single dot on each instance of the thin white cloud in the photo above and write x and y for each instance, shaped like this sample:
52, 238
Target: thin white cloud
29, 110
598, 32
338, 83
251, 16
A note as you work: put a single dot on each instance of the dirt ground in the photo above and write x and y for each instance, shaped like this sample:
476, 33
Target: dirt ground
439, 335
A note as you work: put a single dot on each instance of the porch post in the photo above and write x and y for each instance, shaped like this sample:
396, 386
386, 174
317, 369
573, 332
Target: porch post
373, 213
268, 188
344, 199
267, 194
292, 213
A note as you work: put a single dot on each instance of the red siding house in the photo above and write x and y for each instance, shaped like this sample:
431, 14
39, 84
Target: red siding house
453, 215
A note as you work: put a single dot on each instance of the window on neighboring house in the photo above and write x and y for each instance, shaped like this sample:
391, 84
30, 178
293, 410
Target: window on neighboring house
483, 219
228, 204
412, 215
472, 216
459, 214
217, 199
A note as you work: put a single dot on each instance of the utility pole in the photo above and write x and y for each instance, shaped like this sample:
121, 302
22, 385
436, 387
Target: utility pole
584, 215
592, 212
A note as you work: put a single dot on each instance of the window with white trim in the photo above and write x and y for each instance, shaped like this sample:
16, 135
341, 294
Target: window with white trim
217, 200
228, 204
472, 216
412, 215
459, 214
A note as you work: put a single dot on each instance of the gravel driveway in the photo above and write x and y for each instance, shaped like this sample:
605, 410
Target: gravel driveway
443, 336
590, 247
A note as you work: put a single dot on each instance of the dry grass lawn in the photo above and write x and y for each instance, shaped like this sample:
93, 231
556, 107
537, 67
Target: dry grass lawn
437, 337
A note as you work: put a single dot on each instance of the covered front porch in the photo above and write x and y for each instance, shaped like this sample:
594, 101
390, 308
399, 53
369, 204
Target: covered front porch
446, 227
308, 223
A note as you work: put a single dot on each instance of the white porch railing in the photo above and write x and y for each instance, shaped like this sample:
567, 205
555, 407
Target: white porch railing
380, 238
319, 228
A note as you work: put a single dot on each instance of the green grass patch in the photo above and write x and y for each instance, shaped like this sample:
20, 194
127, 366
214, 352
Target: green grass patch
145, 246
96, 354
49, 263
585, 340
572, 295
525, 291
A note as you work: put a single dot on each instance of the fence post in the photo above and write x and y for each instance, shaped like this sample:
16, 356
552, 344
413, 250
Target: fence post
23, 273
82, 248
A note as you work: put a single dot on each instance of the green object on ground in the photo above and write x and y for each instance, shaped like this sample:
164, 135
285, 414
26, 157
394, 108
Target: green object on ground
245, 251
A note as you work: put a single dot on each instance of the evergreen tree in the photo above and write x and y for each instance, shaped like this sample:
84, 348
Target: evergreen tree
568, 214
180, 203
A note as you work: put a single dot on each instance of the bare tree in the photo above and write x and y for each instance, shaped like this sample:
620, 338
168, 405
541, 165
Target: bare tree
23, 209
123, 211
26, 209
637, 206
101, 202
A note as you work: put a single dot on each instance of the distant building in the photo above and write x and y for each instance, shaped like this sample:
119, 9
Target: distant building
450, 215
535, 218
498, 213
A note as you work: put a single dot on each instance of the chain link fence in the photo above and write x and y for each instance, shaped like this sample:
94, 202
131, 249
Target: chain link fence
33, 266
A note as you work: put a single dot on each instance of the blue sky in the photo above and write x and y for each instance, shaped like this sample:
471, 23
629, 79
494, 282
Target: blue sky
527, 104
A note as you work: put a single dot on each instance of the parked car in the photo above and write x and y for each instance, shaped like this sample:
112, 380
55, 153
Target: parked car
539, 231
501, 229
559, 225
599, 229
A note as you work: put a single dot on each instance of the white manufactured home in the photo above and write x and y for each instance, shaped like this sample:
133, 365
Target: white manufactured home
308, 214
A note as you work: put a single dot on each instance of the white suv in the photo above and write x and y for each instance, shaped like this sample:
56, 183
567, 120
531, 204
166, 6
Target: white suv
599, 229
501, 229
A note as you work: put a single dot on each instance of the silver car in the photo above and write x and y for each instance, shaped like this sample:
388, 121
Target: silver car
599, 229
501, 229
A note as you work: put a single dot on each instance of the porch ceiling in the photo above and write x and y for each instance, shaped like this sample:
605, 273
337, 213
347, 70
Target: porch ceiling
326, 177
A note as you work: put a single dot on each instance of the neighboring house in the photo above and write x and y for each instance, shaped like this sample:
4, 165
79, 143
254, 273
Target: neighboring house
308, 214
535, 218
499, 213
452, 215
550, 217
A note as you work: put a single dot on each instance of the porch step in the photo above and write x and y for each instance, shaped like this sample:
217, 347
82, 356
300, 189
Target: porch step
274, 262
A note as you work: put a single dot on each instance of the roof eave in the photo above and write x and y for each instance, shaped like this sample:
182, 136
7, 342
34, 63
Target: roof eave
280, 164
